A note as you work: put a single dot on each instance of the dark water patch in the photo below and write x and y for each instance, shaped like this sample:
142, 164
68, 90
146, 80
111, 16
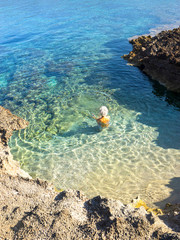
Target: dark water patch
174, 185
170, 97
19, 39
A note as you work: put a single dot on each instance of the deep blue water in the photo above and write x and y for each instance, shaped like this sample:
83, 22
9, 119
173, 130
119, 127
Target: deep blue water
59, 62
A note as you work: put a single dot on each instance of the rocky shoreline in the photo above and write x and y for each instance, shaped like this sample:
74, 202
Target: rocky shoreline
32, 209
8, 124
159, 57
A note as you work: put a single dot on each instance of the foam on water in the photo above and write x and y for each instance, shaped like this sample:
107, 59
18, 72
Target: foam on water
59, 64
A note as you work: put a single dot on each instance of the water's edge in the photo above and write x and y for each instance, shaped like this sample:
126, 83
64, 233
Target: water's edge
38, 198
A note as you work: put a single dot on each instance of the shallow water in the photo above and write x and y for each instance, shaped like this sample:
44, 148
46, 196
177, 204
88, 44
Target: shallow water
61, 61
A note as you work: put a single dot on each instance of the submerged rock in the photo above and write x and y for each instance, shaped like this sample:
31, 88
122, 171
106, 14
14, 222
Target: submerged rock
159, 57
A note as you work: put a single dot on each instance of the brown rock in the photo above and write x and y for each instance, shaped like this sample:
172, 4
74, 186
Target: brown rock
8, 124
159, 57
33, 211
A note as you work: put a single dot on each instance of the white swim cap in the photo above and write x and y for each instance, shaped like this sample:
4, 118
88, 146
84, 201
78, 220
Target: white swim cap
103, 111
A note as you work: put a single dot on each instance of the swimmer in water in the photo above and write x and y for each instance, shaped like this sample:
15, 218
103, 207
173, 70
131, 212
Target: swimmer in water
103, 120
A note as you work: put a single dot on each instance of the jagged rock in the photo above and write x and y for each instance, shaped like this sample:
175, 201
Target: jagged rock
8, 124
159, 57
31, 210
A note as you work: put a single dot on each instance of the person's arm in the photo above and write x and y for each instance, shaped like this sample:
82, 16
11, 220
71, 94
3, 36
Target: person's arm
93, 116
98, 120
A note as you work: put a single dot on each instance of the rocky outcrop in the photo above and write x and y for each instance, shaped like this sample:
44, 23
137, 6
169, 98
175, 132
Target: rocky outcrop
32, 209
8, 124
159, 57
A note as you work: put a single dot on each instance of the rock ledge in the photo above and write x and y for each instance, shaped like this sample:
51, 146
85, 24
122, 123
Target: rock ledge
8, 124
159, 57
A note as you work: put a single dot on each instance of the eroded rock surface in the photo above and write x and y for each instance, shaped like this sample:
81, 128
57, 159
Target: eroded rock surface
159, 57
9, 123
32, 210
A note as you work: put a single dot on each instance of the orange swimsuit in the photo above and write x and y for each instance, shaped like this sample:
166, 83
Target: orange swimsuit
103, 121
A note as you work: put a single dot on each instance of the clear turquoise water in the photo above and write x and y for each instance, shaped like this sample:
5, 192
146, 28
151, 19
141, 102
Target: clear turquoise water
59, 62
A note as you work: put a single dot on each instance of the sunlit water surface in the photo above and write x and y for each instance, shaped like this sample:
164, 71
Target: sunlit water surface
59, 62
